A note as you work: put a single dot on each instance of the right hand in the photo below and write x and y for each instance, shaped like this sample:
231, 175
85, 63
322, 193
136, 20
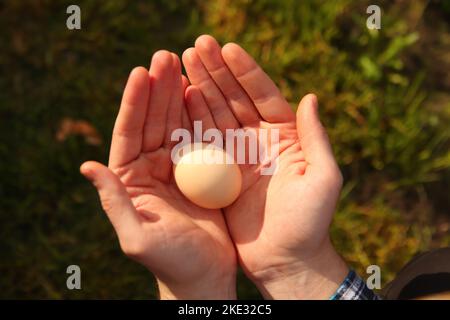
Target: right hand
186, 247
280, 222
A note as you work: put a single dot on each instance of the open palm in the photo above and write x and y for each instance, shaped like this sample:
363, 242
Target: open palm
181, 243
280, 219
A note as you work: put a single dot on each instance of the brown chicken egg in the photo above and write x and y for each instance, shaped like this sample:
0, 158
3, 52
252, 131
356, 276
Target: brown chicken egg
207, 176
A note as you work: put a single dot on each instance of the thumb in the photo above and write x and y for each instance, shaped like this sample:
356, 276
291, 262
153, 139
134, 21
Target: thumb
113, 196
313, 137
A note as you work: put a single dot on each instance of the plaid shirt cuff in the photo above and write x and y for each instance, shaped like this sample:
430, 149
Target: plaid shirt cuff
354, 288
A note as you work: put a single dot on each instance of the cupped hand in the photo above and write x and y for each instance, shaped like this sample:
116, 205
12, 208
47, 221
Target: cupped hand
186, 247
280, 223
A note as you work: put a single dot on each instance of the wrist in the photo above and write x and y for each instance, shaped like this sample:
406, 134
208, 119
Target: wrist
317, 277
220, 287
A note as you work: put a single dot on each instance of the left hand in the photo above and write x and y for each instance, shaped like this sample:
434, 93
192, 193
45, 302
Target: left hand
186, 247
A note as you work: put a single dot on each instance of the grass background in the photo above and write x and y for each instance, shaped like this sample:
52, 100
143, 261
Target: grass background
384, 97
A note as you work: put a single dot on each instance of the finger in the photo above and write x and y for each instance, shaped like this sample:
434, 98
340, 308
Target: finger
127, 134
210, 54
260, 88
185, 80
313, 137
199, 77
114, 198
161, 84
186, 122
174, 111
198, 109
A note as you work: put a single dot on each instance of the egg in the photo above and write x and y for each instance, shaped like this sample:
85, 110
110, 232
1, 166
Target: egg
207, 176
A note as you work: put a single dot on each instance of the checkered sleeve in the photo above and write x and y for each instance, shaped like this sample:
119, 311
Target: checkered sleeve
354, 288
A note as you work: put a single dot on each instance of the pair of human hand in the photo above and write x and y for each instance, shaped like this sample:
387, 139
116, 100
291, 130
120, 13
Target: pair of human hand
278, 228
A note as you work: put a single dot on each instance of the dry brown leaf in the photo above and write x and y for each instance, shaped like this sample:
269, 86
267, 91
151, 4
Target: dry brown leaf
70, 127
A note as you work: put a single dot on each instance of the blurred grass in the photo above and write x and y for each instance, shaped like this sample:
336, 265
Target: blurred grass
383, 96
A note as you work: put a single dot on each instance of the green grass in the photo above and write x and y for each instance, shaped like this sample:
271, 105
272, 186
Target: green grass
376, 91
